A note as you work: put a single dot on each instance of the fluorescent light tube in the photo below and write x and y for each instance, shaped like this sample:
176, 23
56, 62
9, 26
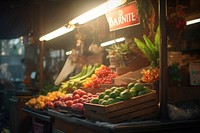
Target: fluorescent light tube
97, 11
193, 21
68, 52
56, 33
88, 16
112, 42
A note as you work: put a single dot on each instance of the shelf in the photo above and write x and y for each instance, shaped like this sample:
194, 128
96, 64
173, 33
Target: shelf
183, 93
196, 50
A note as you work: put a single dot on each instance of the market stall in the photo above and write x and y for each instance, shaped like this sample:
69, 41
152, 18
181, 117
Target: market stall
130, 94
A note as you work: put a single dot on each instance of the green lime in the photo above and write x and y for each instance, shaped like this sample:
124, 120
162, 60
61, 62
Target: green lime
117, 92
104, 102
130, 85
146, 89
107, 92
100, 101
118, 99
106, 97
110, 101
112, 95
125, 95
133, 88
101, 95
138, 87
141, 93
121, 89
118, 89
113, 88
133, 92
95, 100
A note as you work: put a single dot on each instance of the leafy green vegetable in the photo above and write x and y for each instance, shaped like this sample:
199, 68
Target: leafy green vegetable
174, 73
150, 49
48, 88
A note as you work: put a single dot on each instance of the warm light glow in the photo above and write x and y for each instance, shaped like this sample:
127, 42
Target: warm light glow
88, 16
68, 52
112, 42
97, 11
56, 33
193, 21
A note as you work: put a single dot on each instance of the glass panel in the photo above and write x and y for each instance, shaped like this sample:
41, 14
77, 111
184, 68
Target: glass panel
12, 56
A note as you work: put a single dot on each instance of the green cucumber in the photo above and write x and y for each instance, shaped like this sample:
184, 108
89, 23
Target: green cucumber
79, 74
88, 69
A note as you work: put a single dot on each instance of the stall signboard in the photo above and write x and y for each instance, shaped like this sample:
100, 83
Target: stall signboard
123, 17
194, 69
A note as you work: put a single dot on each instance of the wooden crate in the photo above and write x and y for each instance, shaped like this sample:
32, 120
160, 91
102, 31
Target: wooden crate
140, 107
131, 76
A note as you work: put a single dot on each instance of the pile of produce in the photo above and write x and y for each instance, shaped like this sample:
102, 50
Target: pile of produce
102, 75
76, 81
56, 99
43, 101
150, 75
75, 100
117, 94
91, 76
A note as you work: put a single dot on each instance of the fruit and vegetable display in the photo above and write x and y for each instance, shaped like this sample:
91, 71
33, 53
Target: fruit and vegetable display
150, 75
56, 99
102, 75
91, 76
43, 101
69, 93
118, 94
75, 94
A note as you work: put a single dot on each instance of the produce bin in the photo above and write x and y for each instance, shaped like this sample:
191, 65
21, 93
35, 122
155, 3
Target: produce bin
137, 108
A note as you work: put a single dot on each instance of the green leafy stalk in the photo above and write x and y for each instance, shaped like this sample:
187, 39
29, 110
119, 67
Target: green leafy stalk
142, 46
157, 38
150, 49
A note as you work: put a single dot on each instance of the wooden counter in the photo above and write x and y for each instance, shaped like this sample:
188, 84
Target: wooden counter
67, 123
41, 121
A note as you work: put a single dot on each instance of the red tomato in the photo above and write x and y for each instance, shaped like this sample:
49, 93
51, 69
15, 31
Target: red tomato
75, 101
89, 94
78, 106
85, 96
76, 96
69, 103
57, 103
80, 100
49, 105
63, 104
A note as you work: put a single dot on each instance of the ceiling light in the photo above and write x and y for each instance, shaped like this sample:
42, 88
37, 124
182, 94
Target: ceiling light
88, 16
112, 42
97, 11
61, 31
193, 21
68, 52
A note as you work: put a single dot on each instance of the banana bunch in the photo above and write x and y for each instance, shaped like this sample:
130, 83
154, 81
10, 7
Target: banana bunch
76, 81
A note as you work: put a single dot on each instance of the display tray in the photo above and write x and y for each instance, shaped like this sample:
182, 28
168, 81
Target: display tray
137, 108
41, 111
70, 111
95, 90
